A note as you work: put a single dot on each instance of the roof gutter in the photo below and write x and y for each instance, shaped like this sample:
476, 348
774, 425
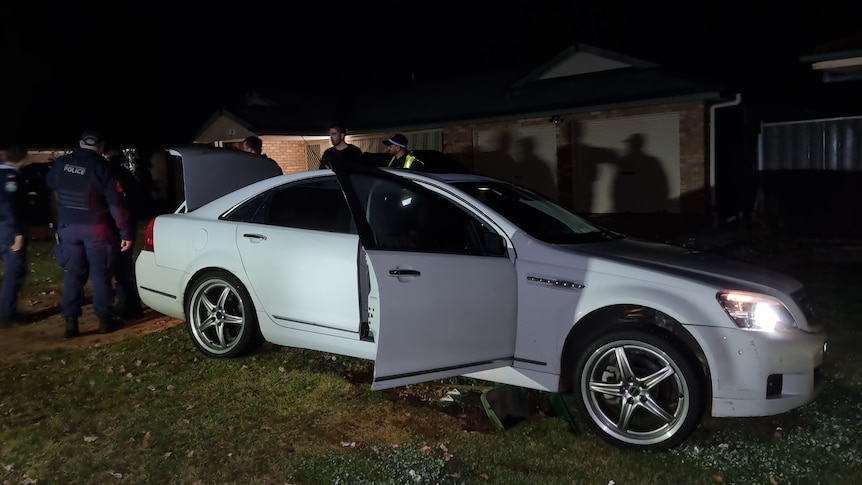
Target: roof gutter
417, 125
712, 110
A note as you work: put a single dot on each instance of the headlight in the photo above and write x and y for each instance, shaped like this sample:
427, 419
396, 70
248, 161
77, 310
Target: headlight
755, 311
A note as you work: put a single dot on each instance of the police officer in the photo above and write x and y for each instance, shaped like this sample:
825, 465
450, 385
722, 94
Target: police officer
128, 300
12, 239
396, 145
89, 204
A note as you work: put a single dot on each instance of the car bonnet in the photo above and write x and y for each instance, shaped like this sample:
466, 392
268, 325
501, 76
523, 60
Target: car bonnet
688, 263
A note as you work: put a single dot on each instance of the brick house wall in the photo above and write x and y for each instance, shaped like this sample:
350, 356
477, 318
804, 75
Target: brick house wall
290, 155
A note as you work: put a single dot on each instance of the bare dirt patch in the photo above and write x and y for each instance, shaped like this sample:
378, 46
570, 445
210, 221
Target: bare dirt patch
44, 327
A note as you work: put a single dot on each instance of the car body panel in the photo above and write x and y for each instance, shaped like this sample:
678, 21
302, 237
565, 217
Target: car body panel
442, 315
460, 307
741, 362
160, 287
195, 245
688, 263
545, 291
504, 318
300, 284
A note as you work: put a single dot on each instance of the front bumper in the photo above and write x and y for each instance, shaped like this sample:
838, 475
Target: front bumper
762, 373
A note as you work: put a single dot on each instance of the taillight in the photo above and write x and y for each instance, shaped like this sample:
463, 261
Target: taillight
148, 236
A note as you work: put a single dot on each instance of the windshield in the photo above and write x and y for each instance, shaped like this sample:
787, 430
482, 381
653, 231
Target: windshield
536, 215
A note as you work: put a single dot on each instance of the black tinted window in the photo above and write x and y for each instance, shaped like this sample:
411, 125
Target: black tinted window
408, 217
248, 210
317, 205
538, 216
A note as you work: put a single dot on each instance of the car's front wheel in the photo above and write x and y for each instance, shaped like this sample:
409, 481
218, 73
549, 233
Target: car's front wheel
220, 316
637, 390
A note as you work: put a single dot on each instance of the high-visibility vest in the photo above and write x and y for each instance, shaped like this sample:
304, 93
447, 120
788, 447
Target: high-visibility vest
409, 160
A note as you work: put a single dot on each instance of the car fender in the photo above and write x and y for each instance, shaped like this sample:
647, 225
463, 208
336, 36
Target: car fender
675, 301
216, 260
696, 321
198, 253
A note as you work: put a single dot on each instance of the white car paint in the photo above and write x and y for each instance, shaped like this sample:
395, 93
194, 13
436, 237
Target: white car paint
299, 286
510, 319
461, 314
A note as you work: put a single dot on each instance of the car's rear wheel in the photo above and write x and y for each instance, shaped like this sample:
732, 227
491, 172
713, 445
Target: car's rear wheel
220, 316
637, 390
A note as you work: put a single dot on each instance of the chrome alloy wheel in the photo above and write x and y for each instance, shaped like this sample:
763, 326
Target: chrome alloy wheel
218, 317
639, 392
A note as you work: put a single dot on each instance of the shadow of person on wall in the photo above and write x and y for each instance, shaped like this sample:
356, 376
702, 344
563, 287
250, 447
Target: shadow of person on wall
533, 172
498, 162
641, 184
586, 160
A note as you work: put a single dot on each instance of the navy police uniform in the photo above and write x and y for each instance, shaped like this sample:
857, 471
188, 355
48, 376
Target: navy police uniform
11, 221
128, 299
408, 160
90, 205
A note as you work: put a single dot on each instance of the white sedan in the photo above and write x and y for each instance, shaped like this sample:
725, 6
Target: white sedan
438, 275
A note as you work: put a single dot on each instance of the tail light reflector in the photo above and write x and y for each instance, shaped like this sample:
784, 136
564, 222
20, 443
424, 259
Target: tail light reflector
148, 236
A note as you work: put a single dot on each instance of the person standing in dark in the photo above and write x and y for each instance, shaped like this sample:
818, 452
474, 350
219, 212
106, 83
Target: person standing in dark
396, 145
340, 152
12, 238
253, 144
128, 300
90, 210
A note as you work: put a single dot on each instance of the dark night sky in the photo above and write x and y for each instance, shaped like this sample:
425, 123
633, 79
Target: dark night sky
145, 72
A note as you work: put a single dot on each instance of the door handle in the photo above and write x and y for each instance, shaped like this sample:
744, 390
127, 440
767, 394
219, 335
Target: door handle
255, 236
403, 272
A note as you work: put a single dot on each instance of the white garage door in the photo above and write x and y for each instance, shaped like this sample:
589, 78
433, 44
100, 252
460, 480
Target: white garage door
628, 164
524, 155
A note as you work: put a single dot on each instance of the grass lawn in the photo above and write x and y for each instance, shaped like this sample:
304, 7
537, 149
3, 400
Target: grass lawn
151, 409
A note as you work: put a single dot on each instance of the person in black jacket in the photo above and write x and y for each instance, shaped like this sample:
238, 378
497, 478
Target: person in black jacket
128, 300
90, 210
340, 152
253, 144
12, 237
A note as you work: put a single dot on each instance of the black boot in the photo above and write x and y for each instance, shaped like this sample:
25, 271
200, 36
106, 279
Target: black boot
129, 312
71, 327
108, 325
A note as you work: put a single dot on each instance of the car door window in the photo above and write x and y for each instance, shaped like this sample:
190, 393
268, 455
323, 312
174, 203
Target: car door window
405, 216
317, 205
314, 205
248, 210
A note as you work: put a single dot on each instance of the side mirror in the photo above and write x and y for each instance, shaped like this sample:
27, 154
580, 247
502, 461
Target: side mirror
495, 245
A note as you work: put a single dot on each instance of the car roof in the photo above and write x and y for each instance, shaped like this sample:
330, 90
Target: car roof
433, 161
211, 172
449, 178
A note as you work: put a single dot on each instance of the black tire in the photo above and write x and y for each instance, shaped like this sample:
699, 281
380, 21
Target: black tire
653, 401
220, 316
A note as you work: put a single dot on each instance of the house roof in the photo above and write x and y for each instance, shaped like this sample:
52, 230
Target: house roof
271, 113
488, 98
839, 60
579, 78
582, 59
